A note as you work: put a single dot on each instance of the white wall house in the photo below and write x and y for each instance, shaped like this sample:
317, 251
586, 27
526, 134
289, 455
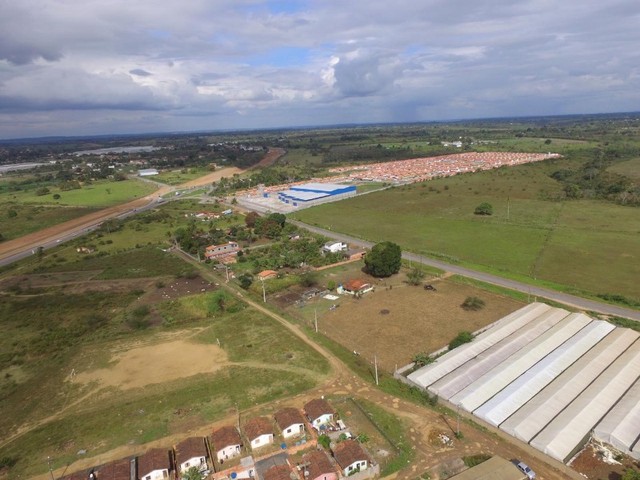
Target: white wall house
335, 247
227, 442
191, 452
154, 465
319, 412
290, 421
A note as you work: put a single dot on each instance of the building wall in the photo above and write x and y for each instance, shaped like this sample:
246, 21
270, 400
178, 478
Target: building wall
156, 475
200, 462
293, 430
228, 452
262, 440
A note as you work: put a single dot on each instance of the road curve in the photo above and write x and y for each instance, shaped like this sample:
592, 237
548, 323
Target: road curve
567, 299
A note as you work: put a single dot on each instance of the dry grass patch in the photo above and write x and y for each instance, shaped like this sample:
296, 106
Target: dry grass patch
397, 323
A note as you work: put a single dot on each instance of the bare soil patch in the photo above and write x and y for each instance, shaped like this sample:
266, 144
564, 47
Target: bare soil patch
396, 323
158, 363
211, 177
270, 158
591, 463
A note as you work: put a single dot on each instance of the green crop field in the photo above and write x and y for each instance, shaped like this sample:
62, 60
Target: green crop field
586, 245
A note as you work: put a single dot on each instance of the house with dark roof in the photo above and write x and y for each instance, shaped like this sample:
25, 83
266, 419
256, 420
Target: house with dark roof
259, 432
154, 464
319, 412
226, 442
191, 452
317, 466
278, 472
290, 421
350, 457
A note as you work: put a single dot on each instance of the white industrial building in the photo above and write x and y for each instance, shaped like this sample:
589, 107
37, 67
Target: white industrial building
548, 377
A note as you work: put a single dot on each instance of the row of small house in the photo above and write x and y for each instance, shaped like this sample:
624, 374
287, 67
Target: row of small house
225, 443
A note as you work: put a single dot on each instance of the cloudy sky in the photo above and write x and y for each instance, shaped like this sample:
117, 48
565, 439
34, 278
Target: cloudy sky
77, 67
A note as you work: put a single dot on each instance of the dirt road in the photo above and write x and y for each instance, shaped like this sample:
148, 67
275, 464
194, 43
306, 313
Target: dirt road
424, 424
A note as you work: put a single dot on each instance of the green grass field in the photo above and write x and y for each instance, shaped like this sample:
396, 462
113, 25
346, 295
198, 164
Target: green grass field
99, 194
267, 362
630, 168
586, 245
24, 212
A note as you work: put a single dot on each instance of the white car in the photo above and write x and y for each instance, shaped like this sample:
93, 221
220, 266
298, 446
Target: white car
524, 468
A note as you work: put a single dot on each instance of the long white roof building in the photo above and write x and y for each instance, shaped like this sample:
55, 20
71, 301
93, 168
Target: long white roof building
547, 377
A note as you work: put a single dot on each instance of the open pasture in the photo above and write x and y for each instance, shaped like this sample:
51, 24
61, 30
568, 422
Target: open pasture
596, 241
98, 194
115, 386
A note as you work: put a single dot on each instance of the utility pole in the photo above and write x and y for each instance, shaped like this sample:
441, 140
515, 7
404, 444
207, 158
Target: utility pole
49, 464
315, 318
264, 293
508, 207
375, 366
458, 426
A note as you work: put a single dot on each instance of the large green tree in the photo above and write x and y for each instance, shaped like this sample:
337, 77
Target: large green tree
384, 259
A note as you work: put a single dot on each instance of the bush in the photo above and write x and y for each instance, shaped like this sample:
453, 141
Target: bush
472, 304
42, 191
484, 209
460, 339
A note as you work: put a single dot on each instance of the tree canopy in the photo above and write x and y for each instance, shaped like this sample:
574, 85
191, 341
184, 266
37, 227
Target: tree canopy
384, 259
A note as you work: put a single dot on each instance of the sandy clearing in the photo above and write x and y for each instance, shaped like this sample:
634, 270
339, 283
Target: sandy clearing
157, 363
211, 177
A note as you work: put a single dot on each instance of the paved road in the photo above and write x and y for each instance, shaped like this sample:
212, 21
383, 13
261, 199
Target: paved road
572, 300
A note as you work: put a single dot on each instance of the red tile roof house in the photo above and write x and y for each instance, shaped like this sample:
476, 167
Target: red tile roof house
319, 412
154, 464
191, 452
118, 470
215, 252
355, 287
317, 466
267, 274
278, 472
227, 443
259, 432
290, 421
350, 457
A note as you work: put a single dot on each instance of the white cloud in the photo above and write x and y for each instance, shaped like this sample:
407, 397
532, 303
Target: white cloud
198, 64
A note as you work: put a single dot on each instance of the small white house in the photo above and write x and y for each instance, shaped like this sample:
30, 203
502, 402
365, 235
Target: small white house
259, 432
227, 442
154, 465
334, 247
290, 421
350, 457
319, 412
190, 453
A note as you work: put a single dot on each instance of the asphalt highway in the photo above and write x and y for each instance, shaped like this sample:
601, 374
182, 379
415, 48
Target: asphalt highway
565, 298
